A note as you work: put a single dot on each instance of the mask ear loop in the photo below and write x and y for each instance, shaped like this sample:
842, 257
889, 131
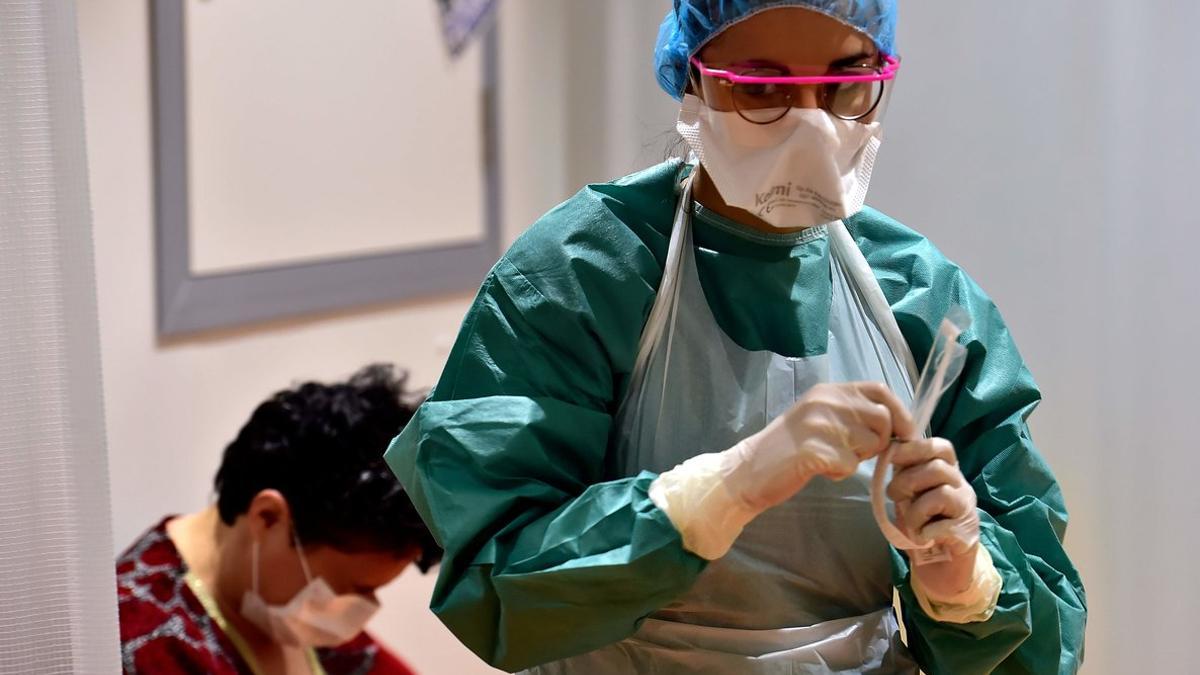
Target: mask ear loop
303, 558
254, 566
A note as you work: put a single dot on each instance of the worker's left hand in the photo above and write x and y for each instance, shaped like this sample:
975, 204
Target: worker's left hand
935, 503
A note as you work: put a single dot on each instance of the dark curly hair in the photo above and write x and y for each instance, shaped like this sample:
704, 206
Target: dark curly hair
321, 446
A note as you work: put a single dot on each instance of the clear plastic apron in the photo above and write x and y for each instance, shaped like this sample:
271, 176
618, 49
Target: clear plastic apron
807, 586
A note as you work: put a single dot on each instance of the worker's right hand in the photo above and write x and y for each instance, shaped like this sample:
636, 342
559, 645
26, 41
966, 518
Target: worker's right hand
827, 433
711, 497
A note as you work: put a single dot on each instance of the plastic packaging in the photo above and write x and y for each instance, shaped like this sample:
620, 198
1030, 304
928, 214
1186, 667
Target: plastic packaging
945, 364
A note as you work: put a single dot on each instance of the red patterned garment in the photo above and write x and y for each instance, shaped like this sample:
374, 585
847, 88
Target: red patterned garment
165, 629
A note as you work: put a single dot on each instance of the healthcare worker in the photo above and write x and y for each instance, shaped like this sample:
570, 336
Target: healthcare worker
651, 448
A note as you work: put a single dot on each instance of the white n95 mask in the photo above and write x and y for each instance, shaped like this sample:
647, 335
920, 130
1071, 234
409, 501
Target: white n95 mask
808, 168
314, 617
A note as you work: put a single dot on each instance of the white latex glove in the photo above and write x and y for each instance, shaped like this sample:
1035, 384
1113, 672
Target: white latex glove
933, 500
935, 503
711, 497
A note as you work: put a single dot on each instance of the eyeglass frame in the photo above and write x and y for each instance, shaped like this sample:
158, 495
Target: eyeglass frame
891, 66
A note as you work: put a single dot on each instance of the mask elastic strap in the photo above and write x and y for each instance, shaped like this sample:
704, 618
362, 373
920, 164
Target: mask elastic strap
254, 566
300, 552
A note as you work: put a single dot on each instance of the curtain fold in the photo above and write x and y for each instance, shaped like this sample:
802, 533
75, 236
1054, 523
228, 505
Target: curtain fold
57, 590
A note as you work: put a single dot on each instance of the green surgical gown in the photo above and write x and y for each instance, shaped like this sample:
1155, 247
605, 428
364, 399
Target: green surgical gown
550, 553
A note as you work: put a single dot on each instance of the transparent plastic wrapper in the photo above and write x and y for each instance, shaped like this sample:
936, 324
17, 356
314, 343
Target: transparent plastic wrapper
945, 364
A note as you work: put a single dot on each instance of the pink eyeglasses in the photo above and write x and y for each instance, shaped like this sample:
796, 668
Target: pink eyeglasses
763, 93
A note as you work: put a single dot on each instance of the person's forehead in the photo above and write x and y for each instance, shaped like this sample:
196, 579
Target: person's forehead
787, 35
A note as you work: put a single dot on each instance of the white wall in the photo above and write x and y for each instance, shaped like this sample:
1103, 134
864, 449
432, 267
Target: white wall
618, 120
265, 199
1053, 151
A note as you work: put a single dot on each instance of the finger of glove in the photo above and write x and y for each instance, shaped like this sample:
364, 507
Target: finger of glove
962, 532
918, 479
940, 502
900, 419
924, 450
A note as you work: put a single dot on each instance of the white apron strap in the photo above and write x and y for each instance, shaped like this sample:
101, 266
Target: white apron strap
847, 251
667, 298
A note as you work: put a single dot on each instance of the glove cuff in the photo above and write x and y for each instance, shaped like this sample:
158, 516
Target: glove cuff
695, 497
973, 605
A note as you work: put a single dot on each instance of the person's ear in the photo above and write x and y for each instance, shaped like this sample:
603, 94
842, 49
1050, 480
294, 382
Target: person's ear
268, 512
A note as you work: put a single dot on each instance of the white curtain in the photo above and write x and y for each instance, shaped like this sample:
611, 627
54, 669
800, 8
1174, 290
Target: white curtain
57, 589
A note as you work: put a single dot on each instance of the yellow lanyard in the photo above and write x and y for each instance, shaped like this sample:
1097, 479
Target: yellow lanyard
214, 612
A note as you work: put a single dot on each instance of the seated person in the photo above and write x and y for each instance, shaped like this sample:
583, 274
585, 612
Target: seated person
280, 575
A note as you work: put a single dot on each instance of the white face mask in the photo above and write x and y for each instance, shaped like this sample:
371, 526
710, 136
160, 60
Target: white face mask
806, 169
314, 617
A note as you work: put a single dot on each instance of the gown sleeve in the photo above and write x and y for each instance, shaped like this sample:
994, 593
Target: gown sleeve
1038, 625
546, 555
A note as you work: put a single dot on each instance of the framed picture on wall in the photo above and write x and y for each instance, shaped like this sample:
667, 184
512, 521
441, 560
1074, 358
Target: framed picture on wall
313, 155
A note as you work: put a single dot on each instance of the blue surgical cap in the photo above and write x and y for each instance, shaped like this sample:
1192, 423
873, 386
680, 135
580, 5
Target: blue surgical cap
693, 22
